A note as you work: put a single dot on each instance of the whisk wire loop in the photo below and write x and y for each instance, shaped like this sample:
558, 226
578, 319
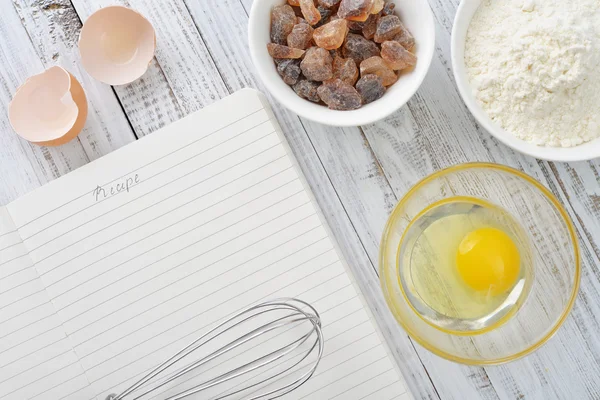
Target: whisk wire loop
296, 314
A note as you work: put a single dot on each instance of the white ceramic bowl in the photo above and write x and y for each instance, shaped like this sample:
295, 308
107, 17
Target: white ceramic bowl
417, 17
465, 13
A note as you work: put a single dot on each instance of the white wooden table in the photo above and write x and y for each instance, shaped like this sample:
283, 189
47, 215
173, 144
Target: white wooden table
357, 174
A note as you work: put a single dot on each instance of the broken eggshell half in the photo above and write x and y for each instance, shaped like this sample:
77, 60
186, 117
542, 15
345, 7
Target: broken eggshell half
49, 108
116, 45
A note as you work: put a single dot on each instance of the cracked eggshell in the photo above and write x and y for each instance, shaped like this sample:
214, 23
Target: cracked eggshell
49, 108
116, 45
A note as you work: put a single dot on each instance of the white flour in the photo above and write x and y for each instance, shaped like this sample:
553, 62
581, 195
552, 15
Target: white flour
535, 68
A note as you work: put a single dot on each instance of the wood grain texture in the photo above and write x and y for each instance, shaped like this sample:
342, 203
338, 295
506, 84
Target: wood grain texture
357, 174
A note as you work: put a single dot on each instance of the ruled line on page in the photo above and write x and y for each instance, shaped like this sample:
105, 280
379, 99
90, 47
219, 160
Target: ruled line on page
188, 246
13, 273
255, 347
198, 271
176, 237
137, 169
195, 287
379, 389
237, 311
325, 355
11, 245
115, 251
171, 328
174, 209
45, 376
197, 315
23, 327
172, 298
22, 312
15, 258
270, 294
345, 376
34, 351
68, 394
35, 366
18, 286
150, 192
56, 296
19, 299
325, 313
274, 366
360, 383
152, 234
199, 330
8, 233
29, 339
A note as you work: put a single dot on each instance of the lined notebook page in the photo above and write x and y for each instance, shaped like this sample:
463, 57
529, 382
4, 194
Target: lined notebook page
150, 246
36, 359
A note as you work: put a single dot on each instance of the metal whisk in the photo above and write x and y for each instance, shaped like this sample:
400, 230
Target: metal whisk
275, 347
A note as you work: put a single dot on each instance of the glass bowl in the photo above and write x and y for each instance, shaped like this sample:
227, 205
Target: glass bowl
554, 263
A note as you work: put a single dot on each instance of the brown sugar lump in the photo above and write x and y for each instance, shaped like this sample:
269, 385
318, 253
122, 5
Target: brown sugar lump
388, 8
405, 38
355, 10
309, 11
307, 90
359, 48
339, 95
283, 20
280, 51
376, 65
356, 26
331, 35
289, 70
329, 3
377, 6
325, 15
317, 64
370, 26
345, 69
396, 56
387, 27
370, 88
301, 36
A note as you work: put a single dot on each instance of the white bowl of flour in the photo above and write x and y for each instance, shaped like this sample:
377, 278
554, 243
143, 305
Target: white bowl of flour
529, 71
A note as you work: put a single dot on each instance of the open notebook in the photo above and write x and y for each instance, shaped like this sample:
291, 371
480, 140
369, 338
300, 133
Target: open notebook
109, 270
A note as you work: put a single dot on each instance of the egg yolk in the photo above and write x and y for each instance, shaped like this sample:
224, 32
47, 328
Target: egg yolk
488, 260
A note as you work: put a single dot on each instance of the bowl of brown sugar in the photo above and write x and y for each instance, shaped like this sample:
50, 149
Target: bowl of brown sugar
342, 62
